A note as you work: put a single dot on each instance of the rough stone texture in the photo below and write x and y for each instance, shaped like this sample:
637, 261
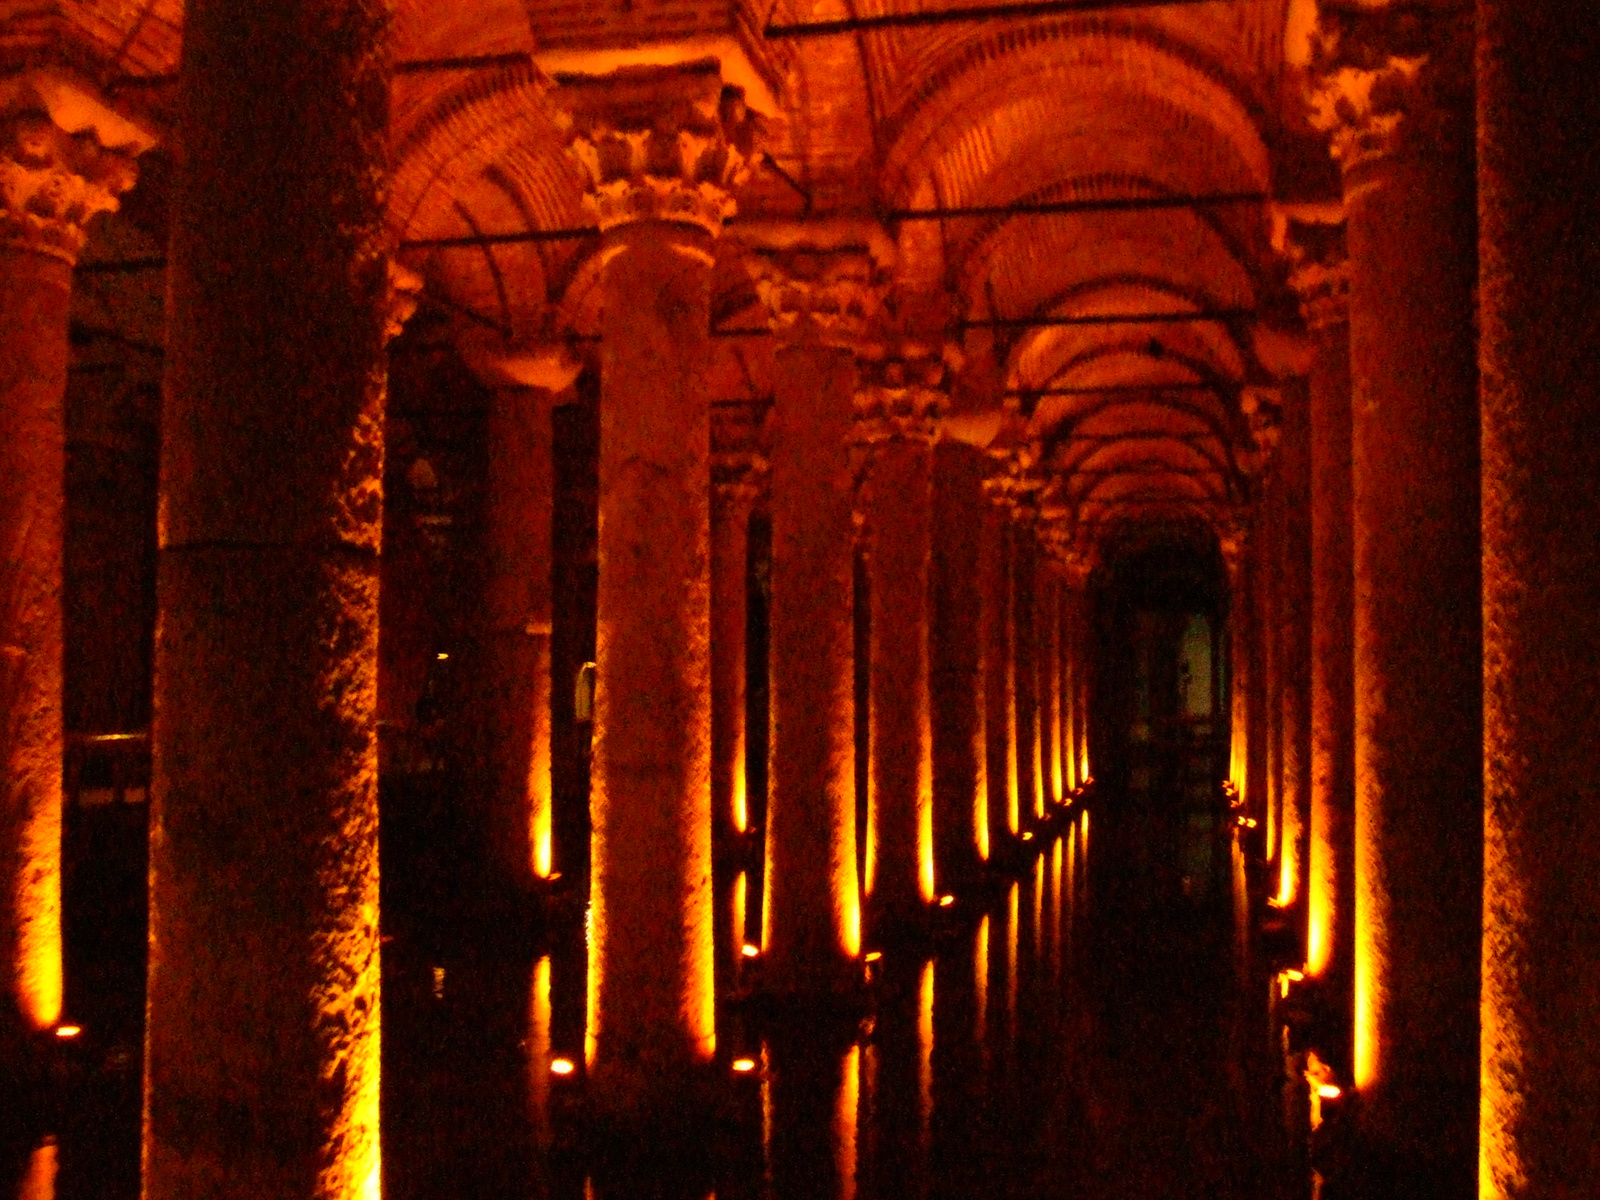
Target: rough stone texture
1539, 257
999, 723
1417, 624
34, 291
1025, 631
1331, 850
512, 709
735, 491
1049, 611
1294, 463
1271, 630
813, 900
899, 503
262, 1032
650, 965
960, 782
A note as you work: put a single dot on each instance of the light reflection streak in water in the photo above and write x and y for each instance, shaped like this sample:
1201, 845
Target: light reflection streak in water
539, 1051
1012, 899
980, 975
1038, 907
846, 1115
925, 1061
40, 1181
1057, 901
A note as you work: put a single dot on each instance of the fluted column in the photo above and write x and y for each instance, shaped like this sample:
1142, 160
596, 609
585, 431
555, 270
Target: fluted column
821, 293
51, 185
1539, 257
999, 697
262, 1035
738, 474
960, 784
898, 404
661, 148
1317, 253
1396, 93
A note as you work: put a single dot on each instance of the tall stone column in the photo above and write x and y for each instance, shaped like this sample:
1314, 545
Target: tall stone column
1316, 249
1539, 255
512, 668
1049, 610
898, 405
1294, 641
999, 699
52, 183
262, 1036
1269, 579
1078, 651
960, 784
738, 473
1396, 89
1025, 632
661, 146
821, 293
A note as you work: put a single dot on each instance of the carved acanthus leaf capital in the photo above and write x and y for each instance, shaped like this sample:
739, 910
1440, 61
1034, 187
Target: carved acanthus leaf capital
1392, 79
1312, 240
1263, 409
405, 293
64, 158
739, 464
659, 143
824, 282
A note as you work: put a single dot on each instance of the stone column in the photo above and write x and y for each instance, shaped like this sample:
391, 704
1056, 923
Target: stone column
512, 672
262, 1036
1539, 255
661, 148
999, 722
738, 471
820, 292
960, 784
1269, 579
1396, 93
1025, 626
1075, 599
1316, 249
1294, 641
52, 182
898, 405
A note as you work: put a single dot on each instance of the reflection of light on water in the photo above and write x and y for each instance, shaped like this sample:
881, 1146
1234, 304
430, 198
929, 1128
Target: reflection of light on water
925, 1058
539, 1049
1038, 906
40, 1181
844, 1123
1011, 957
740, 887
980, 976
1055, 907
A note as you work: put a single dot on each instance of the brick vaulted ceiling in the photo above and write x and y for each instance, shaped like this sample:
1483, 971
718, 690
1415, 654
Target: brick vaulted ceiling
1125, 421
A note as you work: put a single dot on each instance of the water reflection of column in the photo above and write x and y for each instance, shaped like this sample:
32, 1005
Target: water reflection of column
903, 1048
811, 1112
1058, 901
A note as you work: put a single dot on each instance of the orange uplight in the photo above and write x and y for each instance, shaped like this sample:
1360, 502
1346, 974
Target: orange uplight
68, 1031
1329, 1091
874, 955
946, 901
1027, 835
561, 1066
744, 1065
750, 951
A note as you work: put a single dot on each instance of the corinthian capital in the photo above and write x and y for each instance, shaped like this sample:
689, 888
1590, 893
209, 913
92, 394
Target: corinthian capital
659, 143
1392, 79
64, 158
739, 464
1312, 240
824, 282
902, 390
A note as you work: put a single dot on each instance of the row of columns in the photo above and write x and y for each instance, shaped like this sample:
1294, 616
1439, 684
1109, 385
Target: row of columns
1413, 606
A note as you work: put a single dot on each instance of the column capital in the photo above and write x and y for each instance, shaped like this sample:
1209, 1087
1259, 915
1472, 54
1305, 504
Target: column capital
902, 390
1392, 79
1233, 539
65, 157
824, 282
739, 464
1311, 240
1262, 405
405, 293
658, 143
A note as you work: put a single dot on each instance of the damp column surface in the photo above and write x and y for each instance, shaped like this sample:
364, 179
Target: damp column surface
51, 184
734, 493
1295, 656
1025, 627
994, 579
1409, 202
651, 1033
813, 902
262, 1040
1539, 257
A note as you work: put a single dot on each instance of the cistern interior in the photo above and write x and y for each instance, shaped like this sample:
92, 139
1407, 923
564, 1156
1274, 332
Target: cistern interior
799, 599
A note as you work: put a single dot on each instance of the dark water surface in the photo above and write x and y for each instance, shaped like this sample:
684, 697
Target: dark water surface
1076, 1033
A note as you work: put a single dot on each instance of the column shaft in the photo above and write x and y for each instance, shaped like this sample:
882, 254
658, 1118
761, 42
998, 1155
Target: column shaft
1025, 631
900, 880
1418, 644
1050, 680
959, 768
999, 723
651, 1002
1539, 252
1295, 643
730, 564
262, 1042
813, 903
1331, 854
